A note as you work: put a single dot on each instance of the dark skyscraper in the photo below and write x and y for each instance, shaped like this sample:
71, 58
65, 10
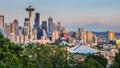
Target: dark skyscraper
44, 25
58, 26
50, 22
15, 25
26, 23
37, 20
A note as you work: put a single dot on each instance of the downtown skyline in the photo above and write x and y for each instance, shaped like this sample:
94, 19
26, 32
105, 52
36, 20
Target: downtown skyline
70, 13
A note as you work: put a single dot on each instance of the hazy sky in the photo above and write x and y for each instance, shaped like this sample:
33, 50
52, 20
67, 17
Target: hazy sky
69, 12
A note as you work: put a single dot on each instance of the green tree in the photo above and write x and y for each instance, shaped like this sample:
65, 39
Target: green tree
99, 58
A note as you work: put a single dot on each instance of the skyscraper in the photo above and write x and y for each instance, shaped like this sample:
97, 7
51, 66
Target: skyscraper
81, 29
8, 30
1, 21
55, 35
83, 37
58, 26
110, 35
44, 25
26, 23
89, 37
50, 22
37, 20
12, 27
15, 26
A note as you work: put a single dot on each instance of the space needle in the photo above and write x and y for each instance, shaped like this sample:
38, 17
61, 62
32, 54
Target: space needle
30, 9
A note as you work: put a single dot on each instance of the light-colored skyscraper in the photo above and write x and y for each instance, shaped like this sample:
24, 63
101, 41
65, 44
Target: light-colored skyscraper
1, 22
2, 25
83, 37
55, 35
7, 30
110, 35
89, 37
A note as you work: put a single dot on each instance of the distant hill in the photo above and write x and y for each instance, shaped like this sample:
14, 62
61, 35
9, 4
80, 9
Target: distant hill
100, 27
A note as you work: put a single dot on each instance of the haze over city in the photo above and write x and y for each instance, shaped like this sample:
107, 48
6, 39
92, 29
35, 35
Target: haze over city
71, 13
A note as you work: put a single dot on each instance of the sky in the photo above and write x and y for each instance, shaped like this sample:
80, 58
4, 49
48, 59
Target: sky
71, 13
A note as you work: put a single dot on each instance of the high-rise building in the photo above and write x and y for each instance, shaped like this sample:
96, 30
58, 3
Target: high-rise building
20, 36
44, 25
83, 37
55, 35
110, 35
77, 35
50, 22
35, 33
2, 25
1, 22
26, 23
15, 26
89, 37
12, 27
58, 26
8, 30
95, 39
80, 29
25, 30
37, 20
12, 37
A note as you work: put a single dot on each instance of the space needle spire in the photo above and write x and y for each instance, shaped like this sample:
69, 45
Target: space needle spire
30, 9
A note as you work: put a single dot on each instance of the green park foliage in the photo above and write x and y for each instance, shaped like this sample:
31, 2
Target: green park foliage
41, 56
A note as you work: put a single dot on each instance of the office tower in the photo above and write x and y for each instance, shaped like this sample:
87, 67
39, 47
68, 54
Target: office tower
37, 20
44, 25
55, 35
26, 23
50, 23
44, 34
80, 29
64, 33
20, 36
77, 35
72, 34
83, 37
25, 34
1, 22
58, 26
15, 26
12, 37
89, 37
25, 30
110, 35
95, 39
12, 28
30, 9
53, 27
39, 33
8, 30
35, 33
